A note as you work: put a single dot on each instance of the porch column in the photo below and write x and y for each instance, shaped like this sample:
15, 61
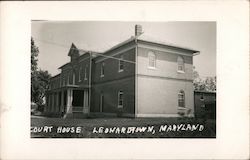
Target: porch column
62, 98
85, 102
52, 102
69, 101
57, 101
49, 102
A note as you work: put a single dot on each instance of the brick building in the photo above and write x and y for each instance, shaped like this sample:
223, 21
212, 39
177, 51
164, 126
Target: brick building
205, 104
136, 78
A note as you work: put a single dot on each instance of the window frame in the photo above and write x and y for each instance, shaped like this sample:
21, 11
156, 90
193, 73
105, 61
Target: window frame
102, 69
121, 64
120, 99
80, 74
85, 73
180, 63
181, 99
152, 55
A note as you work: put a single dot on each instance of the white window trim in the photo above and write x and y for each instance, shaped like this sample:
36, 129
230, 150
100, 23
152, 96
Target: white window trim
179, 71
120, 70
120, 106
151, 54
183, 65
183, 99
153, 68
79, 74
102, 69
85, 73
73, 78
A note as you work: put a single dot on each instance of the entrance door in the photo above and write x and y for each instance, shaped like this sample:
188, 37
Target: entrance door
101, 102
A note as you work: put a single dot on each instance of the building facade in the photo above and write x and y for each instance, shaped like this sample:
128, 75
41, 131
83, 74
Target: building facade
205, 104
136, 78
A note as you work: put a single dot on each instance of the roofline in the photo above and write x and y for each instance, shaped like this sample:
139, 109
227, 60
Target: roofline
205, 91
120, 44
195, 52
63, 65
133, 38
55, 76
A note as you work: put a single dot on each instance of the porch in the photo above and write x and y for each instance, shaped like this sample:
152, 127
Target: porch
67, 101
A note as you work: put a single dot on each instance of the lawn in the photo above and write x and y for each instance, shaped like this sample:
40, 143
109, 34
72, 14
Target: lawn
122, 128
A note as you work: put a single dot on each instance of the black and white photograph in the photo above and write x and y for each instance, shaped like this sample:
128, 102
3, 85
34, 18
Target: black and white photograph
101, 79
124, 80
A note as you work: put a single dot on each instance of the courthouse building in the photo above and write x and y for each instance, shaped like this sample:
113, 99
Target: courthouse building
139, 77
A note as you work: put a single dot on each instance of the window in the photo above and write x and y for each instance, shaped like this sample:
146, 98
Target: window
120, 99
68, 79
202, 97
121, 64
85, 73
102, 69
181, 99
74, 76
79, 74
151, 60
180, 63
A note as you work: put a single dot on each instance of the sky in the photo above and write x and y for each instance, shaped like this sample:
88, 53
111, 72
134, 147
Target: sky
54, 39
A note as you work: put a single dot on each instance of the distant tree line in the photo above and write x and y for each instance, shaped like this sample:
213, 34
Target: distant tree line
39, 78
205, 84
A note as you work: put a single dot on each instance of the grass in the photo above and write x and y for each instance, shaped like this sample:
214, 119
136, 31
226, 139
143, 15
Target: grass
87, 126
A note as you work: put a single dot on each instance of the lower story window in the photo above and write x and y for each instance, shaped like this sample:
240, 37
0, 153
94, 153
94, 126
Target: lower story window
181, 99
120, 99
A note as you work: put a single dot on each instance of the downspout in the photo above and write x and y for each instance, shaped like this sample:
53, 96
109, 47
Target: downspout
136, 77
90, 79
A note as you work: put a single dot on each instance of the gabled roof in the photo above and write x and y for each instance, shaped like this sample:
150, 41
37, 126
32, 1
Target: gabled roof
73, 49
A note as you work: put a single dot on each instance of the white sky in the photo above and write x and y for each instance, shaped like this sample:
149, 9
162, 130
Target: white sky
54, 39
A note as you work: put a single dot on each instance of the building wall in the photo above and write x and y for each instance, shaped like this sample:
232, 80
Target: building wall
159, 96
206, 107
78, 68
110, 92
158, 88
166, 64
114, 81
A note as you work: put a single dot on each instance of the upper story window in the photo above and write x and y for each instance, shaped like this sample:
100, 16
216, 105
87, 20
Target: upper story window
151, 59
68, 79
102, 69
80, 74
85, 73
181, 99
120, 99
202, 97
121, 64
180, 63
74, 78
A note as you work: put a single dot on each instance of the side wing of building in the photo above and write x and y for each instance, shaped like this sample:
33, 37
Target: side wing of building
164, 81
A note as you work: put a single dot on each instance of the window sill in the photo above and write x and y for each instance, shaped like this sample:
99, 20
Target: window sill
180, 72
119, 106
182, 108
153, 68
120, 70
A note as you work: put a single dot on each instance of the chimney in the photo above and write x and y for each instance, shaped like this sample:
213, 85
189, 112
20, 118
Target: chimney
138, 30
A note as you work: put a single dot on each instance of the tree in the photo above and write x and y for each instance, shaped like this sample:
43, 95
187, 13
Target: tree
34, 56
207, 84
39, 78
